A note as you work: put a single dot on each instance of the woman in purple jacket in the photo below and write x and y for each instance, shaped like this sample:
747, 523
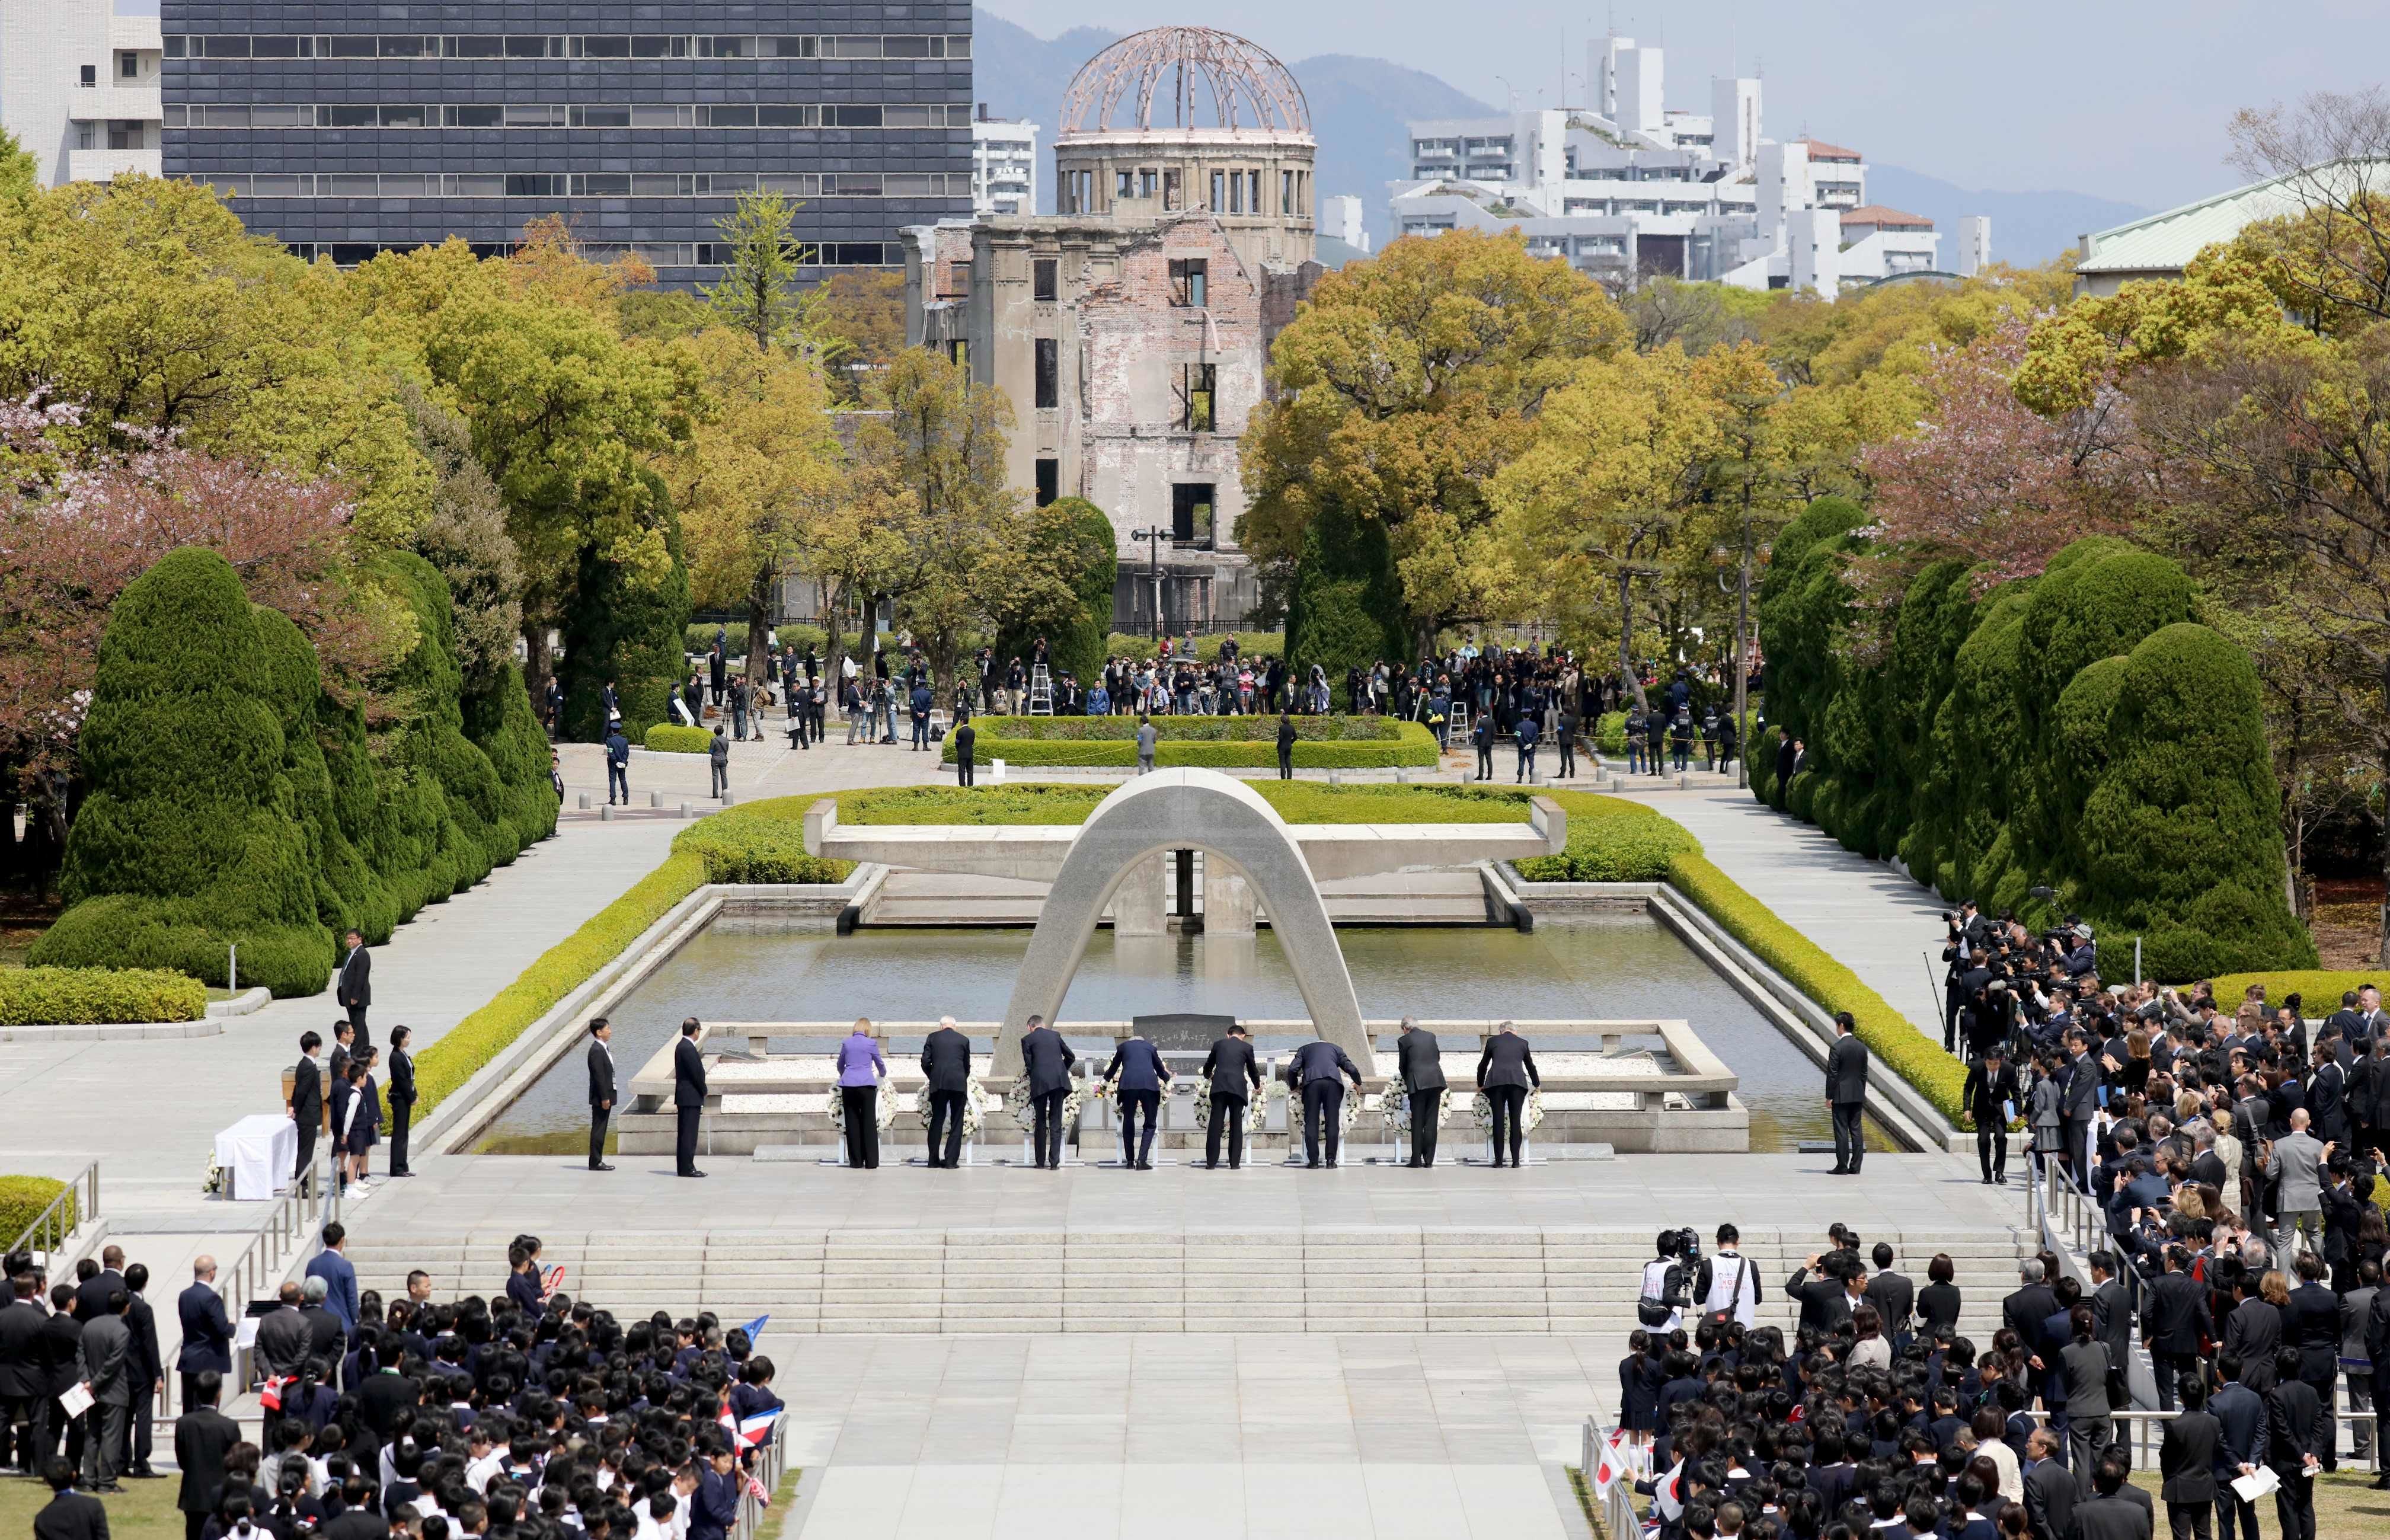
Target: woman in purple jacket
860, 1071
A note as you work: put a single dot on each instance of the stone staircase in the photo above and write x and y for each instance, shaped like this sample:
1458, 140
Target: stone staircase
1531, 1280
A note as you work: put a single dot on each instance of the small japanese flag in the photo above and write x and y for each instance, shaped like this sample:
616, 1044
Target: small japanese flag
1616, 1462
1664, 1500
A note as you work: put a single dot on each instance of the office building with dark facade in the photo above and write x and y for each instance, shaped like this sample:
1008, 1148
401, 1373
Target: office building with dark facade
348, 129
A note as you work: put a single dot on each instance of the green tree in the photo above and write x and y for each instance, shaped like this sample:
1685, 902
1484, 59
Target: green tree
1058, 587
758, 293
17, 168
627, 629
190, 838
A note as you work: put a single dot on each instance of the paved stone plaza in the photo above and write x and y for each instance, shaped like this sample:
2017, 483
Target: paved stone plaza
1152, 1413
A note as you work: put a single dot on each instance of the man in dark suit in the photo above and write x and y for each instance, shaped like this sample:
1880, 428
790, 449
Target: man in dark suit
149, 1376
203, 1436
945, 1072
601, 1088
69, 1515
966, 741
2111, 1309
1894, 1296
2240, 1414
1316, 1074
2050, 1490
307, 1102
1821, 1287
284, 1337
2110, 1513
2253, 1331
2296, 1436
327, 1338
1989, 1094
2174, 1318
353, 990
91, 1294
1422, 1062
24, 1383
105, 1366
1847, 1072
401, 1098
1236, 1077
61, 1354
207, 1331
1045, 1059
688, 1098
2034, 1303
1507, 1073
1142, 1077
2079, 1102
2187, 1463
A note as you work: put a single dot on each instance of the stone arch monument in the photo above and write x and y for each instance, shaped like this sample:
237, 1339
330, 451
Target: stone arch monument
1177, 810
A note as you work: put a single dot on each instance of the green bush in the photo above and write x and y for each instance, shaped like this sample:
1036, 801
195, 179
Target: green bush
1344, 607
665, 738
628, 628
1258, 728
23, 1200
443, 1068
1610, 734
501, 722
1412, 747
1610, 839
40, 996
345, 885
187, 841
1072, 538
1889, 1037
761, 841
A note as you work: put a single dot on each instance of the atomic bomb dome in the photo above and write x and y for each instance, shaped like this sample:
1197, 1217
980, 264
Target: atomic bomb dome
1184, 78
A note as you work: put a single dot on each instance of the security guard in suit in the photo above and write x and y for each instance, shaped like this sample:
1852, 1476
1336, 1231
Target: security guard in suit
1316, 1074
1140, 1074
688, 1098
1235, 1076
1047, 1061
1422, 1062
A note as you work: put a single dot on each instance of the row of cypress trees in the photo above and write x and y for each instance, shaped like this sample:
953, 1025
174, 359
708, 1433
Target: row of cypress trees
231, 799
2078, 730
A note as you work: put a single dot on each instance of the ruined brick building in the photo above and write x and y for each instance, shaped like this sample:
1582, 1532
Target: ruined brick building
1132, 329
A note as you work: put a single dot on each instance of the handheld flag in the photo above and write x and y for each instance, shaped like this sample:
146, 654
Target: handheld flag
1613, 1465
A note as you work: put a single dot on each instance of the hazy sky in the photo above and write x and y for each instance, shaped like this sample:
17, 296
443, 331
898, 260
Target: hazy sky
2125, 98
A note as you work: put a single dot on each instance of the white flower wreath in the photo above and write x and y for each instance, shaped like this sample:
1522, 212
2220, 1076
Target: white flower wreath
1530, 1119
1396, 1106
1348, 1111
1017, 1101
973, 1118
1256, 1108
884, 1110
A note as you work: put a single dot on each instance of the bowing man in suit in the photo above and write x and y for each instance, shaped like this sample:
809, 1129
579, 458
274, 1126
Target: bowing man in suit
601, 1088
207, 1331
688, 1098
307, 1102
1047, 1061
1142, 1074
355, 988
1235, 1076
1505, 1071
1420, 1059
1317, 1071
946, 1068
401, 1098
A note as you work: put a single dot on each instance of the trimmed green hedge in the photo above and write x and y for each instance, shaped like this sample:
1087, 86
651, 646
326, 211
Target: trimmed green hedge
1411, 747
1248, 728
1890, 1037
667, 739
1612, 839
441, 1069
761, 841
43, 996
1257, 644
2319, 989
22, 1199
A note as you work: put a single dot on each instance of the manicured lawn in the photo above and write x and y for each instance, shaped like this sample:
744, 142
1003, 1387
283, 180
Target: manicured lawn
145, 1511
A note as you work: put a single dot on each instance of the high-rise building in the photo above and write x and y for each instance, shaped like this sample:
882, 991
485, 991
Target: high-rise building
79, 88
345, 130
1630, 188
1004, 165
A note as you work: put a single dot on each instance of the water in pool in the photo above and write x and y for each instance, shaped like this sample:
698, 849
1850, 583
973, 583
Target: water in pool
1613, 966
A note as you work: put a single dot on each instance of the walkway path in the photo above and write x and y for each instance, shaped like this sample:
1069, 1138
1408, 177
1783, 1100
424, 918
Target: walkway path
1867, 917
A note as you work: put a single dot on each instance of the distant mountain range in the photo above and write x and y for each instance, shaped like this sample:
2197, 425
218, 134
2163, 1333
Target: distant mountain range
2029, 228
1359, 108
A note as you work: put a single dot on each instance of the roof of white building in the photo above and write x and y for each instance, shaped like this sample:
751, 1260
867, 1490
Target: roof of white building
2166, 242
1821, 150
1885, 219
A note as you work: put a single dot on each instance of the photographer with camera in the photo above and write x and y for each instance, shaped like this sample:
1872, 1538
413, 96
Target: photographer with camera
1668, 1281
1728, 1285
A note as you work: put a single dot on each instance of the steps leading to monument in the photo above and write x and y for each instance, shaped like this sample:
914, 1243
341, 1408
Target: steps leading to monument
991, 1281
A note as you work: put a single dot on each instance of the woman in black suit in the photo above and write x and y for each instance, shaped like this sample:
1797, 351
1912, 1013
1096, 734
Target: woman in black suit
1938, 1302
1505, 1071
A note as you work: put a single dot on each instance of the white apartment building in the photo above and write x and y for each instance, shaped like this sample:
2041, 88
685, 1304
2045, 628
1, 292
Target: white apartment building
79, 88
1004, 165
1632, 189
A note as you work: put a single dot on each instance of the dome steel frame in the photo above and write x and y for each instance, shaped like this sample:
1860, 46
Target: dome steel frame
1249, 89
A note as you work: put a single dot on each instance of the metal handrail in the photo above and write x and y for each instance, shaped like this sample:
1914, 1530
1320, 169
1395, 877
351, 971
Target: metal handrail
295, 1222
2147, 1427
50, 1226
771, 1464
